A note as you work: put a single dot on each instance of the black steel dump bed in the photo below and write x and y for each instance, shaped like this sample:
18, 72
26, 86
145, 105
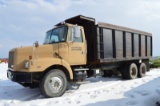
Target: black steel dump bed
110, 43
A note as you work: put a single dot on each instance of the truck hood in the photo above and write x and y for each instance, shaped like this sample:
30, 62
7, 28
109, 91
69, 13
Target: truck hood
18, 56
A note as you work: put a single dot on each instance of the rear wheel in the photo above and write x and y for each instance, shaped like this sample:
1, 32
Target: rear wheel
54, 83
123, 73
142, 70
130, 71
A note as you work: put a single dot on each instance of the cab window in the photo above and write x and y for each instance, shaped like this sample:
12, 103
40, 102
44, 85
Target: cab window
56, 35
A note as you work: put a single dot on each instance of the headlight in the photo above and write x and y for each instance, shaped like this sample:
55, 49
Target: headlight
12, 66
27, 64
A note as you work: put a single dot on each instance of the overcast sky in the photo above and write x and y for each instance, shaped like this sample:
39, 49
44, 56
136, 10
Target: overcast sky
23, 22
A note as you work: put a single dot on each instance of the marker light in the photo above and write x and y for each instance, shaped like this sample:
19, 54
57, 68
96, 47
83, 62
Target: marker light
30, 57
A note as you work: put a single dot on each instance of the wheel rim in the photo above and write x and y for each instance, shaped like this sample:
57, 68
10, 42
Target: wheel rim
133, 71
55, 84
143, 70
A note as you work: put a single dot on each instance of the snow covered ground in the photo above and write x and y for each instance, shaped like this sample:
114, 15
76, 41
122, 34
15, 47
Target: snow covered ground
94, 92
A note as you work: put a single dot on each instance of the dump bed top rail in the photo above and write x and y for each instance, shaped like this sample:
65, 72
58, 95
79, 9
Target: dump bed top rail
80, 20
121, 28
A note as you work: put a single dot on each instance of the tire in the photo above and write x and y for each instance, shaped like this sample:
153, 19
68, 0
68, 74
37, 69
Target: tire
142, 69
53, 84
123, 71
132, 71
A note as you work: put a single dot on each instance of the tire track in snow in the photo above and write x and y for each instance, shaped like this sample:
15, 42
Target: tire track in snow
98, 88
33, 97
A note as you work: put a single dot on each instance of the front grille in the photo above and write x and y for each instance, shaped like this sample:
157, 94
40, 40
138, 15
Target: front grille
11, 59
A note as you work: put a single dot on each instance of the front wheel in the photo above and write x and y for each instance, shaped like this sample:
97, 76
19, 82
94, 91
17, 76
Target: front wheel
54, 83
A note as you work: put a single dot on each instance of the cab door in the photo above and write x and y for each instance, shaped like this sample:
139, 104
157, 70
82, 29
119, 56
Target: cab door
77, 47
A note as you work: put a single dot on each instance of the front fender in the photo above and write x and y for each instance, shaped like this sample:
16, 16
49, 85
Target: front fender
42, 64
67, 66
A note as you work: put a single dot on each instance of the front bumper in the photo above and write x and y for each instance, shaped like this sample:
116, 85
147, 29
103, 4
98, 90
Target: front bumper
20, 77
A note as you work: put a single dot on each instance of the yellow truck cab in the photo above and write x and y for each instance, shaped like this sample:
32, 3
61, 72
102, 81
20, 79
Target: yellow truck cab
74, 50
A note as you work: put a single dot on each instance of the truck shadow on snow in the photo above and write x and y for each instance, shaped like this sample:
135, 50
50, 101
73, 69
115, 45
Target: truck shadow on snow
146, 94
12, 91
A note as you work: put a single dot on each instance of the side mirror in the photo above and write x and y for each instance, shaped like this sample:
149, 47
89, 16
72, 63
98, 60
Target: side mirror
36, 44
76, 31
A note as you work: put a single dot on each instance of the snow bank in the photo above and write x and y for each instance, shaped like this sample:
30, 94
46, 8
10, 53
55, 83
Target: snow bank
3, 70
93, 92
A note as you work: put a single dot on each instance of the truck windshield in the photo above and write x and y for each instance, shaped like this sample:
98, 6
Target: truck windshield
56, 35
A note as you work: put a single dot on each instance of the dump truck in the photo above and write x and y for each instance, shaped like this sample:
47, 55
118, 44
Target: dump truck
79, 48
